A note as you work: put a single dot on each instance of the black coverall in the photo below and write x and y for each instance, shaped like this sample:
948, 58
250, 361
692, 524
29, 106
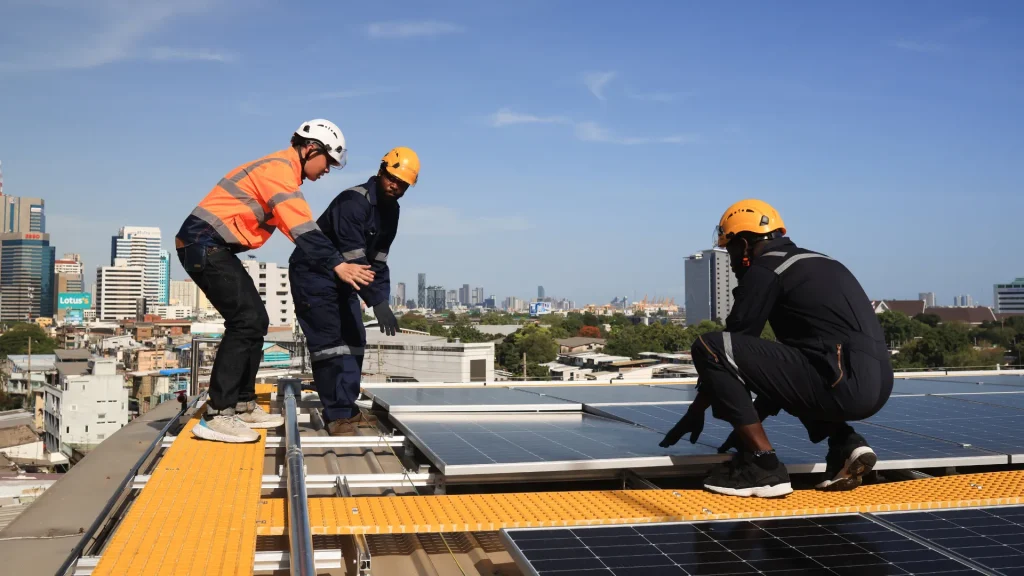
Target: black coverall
830, 364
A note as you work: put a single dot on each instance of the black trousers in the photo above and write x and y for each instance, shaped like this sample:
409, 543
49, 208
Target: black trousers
224, 281
825, 391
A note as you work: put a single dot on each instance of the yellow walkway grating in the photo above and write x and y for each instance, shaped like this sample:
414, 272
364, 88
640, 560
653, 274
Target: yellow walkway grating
484, 512
196, 515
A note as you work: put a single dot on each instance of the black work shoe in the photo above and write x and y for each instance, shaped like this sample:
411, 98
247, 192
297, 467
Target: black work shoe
745, 478
847, 462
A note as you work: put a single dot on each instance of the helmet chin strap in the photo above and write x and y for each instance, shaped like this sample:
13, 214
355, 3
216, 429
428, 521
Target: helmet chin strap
309, 156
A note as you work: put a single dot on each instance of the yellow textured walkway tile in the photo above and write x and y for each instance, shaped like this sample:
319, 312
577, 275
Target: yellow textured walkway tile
485, 512
196, 515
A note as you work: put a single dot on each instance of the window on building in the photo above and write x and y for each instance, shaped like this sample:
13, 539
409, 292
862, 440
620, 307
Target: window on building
104, 415
101, 436
477, 370
68, 430
86, 427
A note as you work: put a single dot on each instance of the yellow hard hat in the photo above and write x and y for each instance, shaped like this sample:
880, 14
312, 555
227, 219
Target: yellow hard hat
748, 216
402, 163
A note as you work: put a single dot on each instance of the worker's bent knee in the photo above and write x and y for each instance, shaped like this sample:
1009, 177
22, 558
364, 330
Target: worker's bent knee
707, 347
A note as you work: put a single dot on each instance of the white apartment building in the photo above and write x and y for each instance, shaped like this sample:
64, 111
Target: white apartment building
272, 282
118, 290
172, 312
420, 358
140, 246
69, 264
709, 283
1009, 298
85, 408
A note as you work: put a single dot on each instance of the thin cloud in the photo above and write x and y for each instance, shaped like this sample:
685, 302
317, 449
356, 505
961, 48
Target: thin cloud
85, 35
445, 221
655, 96
507, 117
916, 46
412, 29
354, 93
596, 82
594, 132
172, 54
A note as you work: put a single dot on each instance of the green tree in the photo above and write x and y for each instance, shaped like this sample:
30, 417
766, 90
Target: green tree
932, 320
496, 318
538, 344
15, 340
414, 321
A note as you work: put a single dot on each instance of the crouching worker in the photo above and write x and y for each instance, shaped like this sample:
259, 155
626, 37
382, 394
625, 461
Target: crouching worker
830, 365
362, 222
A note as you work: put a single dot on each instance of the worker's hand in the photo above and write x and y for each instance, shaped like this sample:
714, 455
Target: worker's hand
355, 275
386, 318
692, 422
765, 408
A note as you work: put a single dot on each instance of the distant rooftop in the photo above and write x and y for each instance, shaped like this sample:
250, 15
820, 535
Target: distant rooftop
579, 341
72, 355
72, 368
40, 362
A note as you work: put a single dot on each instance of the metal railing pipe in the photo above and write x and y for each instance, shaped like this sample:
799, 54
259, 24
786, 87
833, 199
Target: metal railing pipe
300, 536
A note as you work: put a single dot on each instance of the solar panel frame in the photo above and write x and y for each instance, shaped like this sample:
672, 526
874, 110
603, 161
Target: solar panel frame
992, 537
476, 399
528, 443
919, 386
990, 379
833, 544
896, 449
594, 395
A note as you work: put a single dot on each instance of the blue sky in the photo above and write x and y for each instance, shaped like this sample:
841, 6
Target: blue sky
588, 150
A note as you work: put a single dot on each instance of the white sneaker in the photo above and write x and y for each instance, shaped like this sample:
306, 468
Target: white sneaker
256, 417
225, 428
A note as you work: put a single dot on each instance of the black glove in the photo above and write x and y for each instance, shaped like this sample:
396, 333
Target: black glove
765, 408
386, 318
692, 422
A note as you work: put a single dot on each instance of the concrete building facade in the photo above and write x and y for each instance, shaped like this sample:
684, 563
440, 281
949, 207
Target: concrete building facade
140, 246
413, 357
184, 293
118, 290
1009, 298
22, 214
421, 290
709, 283
275, 290
86, 407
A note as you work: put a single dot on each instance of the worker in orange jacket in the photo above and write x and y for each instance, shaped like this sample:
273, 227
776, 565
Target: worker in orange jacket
239, 214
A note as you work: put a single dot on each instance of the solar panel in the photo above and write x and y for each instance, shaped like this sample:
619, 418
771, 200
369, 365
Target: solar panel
984, 426
905, 386
833, 545
468, 444
607, 395
480, 399
1006, 399
895, 449
997, 379
991, 537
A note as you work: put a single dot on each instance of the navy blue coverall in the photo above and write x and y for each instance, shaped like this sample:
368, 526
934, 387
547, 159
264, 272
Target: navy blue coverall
328, 310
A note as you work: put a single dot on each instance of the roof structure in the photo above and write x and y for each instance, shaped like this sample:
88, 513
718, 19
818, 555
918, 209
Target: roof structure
966, 315
909, 307
579, 341
461, 479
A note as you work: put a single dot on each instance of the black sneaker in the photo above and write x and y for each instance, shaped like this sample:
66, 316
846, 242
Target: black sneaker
745, 478
848, 460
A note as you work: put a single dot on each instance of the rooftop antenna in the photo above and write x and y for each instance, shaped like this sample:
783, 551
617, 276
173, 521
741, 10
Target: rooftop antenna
1, 178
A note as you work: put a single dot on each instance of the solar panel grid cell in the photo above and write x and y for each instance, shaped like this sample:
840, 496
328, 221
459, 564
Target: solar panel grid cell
991, 537
833, 545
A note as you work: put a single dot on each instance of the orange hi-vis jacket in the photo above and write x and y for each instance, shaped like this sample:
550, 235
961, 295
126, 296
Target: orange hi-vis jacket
244, 208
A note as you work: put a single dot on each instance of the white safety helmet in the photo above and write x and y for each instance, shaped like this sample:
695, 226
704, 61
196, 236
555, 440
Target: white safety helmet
328, 134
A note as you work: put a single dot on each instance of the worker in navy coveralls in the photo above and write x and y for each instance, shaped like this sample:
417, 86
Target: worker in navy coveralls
362, 222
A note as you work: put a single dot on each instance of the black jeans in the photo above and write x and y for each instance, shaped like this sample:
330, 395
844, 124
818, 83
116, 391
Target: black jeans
824, 395
224, 281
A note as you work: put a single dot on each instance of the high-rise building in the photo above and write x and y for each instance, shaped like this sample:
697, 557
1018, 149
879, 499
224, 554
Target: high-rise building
421, 290
928, 297
140, 246
452, 299
400, 294
435, 298
963, 301
22, 215
165, 277
709, 283
26, 276
478, 296
184, 293
118, 290
69, 274
275, 290
64, 283
540, 292
1009, 298
69, 264
464, 295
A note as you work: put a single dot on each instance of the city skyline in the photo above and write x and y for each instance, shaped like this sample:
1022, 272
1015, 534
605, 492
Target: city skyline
865, 132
